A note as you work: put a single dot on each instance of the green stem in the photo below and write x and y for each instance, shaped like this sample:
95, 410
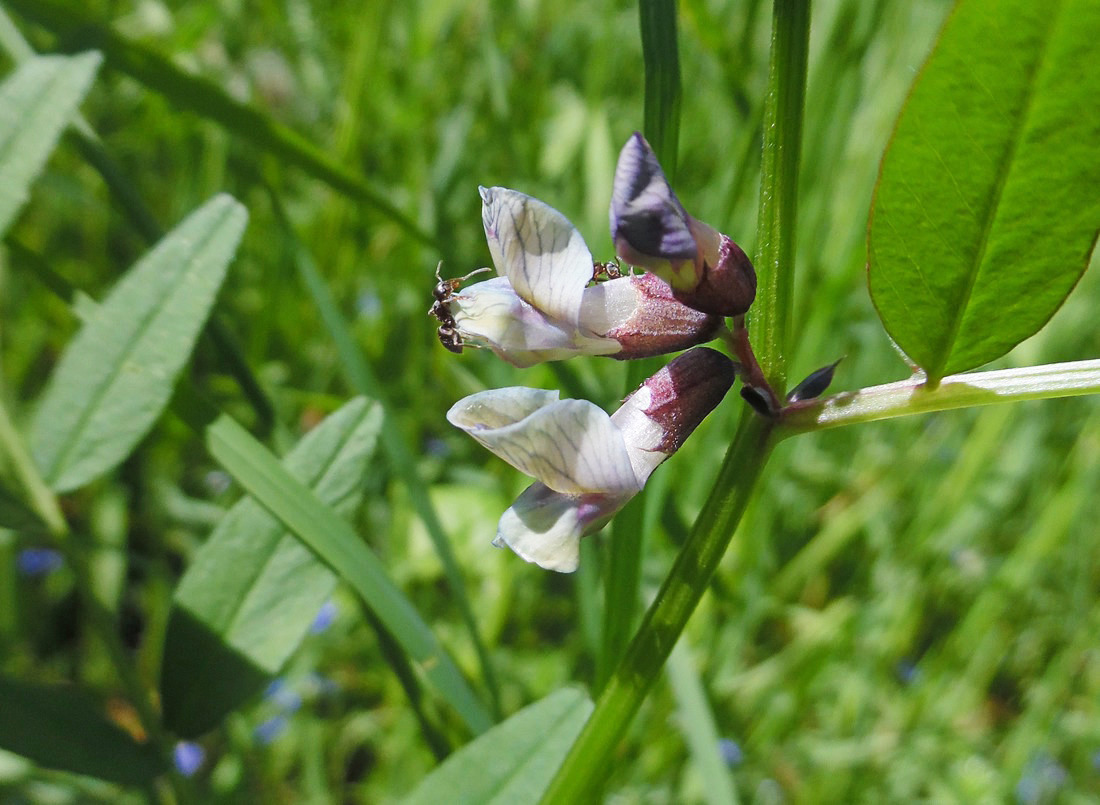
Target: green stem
661, 54
770, 317
587, 763
909, 397
661, 126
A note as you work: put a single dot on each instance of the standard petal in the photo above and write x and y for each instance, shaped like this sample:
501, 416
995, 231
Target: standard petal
491, 314
545, 527
543, 256
570, 445
645, 213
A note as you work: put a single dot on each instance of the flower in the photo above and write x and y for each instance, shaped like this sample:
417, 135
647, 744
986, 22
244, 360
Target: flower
650, 228
542, 308
188, 757
587, 465
38, 561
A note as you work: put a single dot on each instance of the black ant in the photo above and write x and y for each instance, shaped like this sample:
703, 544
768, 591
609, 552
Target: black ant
611, 270
443, 293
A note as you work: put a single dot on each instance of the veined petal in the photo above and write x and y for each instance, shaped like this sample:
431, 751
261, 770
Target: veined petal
572, 446
543, 256
545, 527
491, 314
648, 224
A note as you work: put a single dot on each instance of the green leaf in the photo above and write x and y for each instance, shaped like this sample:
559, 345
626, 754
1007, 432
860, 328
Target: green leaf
512, 762
987, 209
334, 541
16, 514
117, 375
58, 727
253, 590
36, 103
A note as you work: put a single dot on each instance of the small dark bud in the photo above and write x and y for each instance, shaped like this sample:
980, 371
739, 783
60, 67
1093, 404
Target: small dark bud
814, 385
757, 401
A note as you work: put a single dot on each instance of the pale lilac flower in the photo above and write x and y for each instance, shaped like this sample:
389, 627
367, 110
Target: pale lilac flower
651, 229
542, 307
188, 757
587, 465
325, 616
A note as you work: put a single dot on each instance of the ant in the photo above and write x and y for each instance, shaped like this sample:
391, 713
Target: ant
443, 293
611, 270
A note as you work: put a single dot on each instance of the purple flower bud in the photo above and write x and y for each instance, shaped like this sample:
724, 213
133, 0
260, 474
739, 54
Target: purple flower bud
651, 229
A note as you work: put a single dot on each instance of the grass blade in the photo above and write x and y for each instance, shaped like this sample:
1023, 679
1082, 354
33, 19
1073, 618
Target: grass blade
36, 103
334, 541
252, 591
363, 379
117, 375
210, 101
661, 54
697, 723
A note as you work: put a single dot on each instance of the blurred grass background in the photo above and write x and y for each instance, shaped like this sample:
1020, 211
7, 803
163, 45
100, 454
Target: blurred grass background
910, 609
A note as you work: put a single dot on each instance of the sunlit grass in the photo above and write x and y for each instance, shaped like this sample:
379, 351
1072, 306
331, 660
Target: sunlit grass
909, 609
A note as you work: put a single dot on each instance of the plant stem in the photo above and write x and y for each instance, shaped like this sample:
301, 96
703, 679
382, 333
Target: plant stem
661, 54
770, 317
586, 765
911, 396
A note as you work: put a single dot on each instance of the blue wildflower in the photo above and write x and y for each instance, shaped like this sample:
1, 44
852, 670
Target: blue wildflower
188, 757
38, 561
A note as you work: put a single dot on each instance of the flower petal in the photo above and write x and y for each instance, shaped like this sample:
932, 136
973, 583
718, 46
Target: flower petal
492, 314
570, 445
545, 527
543, 256
645, 213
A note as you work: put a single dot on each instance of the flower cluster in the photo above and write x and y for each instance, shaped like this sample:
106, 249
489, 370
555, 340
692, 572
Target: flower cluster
552, 301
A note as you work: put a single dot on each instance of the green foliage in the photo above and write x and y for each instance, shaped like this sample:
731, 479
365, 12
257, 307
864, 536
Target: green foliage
117, 375
38, 101
252, 590
60, 728
986, 210
333, 540
512, 762
896, 612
